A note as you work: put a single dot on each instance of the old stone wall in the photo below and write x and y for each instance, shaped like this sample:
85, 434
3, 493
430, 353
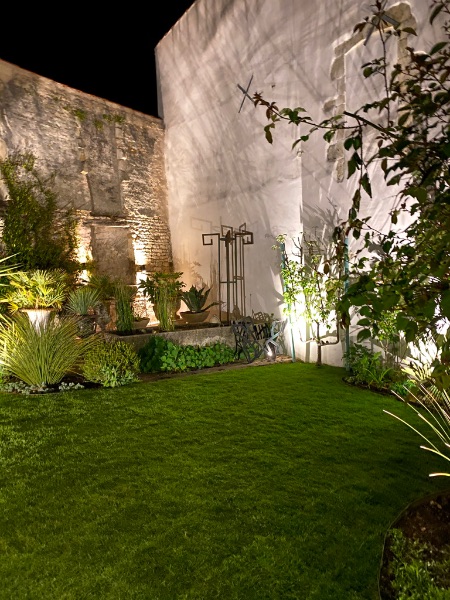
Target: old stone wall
109, 165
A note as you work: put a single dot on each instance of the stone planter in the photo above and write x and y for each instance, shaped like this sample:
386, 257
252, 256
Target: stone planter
193, 318
39, 317
141, 324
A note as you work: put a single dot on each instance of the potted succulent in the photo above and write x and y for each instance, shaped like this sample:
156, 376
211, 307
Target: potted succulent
83, 302
37, 292
195, 299
164, 292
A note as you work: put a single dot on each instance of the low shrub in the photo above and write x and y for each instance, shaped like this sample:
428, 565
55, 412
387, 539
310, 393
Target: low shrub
160, 354
112, 364
368, 369
150, 355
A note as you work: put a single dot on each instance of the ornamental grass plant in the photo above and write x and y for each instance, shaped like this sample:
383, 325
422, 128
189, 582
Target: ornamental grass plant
275, 482
42, 355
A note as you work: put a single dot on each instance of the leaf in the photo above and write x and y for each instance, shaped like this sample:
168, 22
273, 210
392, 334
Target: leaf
364, 334
402, 322
365, 182
438, 47
351, 167
268, 133
348, 143
409, 30
435, 12
417, 192
364, 322
394, 180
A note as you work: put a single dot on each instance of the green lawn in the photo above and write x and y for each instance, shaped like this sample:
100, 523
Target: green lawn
274, 482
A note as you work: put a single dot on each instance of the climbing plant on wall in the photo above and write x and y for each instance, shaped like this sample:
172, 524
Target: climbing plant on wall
410, 273
36, 232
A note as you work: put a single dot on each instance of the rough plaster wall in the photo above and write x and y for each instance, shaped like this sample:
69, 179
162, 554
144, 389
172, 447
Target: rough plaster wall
220, 169
109, 165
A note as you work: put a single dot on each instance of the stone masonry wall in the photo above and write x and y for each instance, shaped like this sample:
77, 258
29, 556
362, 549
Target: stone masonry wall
109, 165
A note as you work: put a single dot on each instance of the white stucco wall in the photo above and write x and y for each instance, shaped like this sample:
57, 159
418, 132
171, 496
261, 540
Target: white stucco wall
220, 169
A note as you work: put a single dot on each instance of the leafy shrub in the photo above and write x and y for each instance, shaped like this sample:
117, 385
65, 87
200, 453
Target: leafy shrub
367, 368
36, 231
112, 364
163, 290
150, 355
41, 355
160, 354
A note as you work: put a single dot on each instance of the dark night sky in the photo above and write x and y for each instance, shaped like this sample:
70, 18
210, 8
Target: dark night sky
106, 52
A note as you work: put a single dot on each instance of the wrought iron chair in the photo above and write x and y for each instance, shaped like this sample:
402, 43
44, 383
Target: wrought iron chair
253, 338
274, 341
250, 338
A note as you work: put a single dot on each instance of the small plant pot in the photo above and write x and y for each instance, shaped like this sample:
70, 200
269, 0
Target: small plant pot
193, 318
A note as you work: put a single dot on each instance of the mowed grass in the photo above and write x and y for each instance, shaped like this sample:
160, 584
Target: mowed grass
274, 482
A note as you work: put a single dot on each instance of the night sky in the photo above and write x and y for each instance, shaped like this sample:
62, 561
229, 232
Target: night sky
105, 51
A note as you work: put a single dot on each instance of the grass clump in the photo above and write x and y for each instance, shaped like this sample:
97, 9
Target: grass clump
41, 355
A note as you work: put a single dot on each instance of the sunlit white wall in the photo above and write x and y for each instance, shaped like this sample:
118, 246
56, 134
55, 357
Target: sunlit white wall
220, 169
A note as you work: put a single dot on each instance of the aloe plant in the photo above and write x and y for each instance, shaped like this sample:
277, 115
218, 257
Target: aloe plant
195, 299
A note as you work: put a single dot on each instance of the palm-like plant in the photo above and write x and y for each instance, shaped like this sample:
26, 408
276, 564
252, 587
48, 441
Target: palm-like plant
37, 289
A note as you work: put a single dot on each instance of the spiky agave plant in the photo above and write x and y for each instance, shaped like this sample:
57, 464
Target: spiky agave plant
43, 355
83, 300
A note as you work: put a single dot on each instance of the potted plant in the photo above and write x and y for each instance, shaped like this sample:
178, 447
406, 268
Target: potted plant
164, 292
83, 301
37, 293
195, 299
